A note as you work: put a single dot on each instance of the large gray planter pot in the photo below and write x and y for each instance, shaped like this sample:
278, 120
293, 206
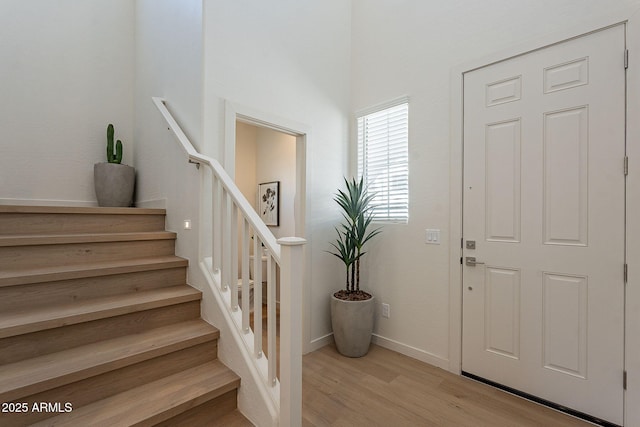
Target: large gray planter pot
352, 323
114, 184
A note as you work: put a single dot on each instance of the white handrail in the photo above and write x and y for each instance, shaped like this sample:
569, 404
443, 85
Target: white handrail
228, 206
229, 185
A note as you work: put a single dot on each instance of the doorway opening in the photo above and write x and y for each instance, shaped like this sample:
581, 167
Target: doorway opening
262, 148
267, 157
266, 148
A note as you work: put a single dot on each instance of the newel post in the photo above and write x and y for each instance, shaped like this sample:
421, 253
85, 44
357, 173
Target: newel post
291, 272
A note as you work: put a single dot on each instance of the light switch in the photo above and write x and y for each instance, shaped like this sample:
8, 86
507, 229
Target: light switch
432, 236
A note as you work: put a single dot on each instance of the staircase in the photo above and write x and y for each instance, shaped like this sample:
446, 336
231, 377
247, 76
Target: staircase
98, 326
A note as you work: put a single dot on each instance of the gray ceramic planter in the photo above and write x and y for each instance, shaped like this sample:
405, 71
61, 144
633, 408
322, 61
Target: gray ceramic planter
352, 323
114, 184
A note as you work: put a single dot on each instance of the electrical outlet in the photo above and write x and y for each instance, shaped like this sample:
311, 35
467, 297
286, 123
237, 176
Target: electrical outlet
187, 224
386, 310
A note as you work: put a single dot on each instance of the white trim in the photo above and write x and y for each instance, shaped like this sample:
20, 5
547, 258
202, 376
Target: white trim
632, 303
318, 343
47, 202
244, 114
455, 224
152, 204
229, 148
407, 350
382, 106
579, 30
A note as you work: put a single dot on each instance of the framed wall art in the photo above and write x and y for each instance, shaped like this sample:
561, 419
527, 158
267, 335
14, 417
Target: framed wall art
269, 202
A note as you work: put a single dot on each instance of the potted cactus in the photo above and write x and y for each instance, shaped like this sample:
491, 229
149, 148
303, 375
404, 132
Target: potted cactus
114, 182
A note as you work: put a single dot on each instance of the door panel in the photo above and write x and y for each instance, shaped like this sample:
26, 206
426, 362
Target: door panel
566, 184
502, 311
565, 324
544, 143
503, 181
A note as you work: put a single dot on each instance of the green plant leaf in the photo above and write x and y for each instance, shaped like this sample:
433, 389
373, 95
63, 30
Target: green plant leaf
354, 232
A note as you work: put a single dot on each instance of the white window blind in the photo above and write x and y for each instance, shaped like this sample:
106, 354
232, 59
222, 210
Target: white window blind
383, 159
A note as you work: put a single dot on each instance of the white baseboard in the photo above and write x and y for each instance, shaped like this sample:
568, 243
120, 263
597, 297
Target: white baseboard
412, 352
152, 204
47, 202
407, 350
318, 343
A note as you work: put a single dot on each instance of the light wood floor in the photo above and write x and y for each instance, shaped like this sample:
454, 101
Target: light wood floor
385, 388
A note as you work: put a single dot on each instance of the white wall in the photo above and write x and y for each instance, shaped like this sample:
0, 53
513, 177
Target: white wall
169, 65
67, 71
409, 48
290, 59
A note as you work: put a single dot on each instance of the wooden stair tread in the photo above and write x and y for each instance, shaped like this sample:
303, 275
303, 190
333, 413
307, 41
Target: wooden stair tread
96, 309
34, 375
69, 238
80, 210
77, 271
154, 402
41, 318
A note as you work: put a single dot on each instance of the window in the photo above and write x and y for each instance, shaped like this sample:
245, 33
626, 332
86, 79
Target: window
383, 159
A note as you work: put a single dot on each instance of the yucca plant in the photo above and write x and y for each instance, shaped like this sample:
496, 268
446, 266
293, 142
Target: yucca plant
354, 232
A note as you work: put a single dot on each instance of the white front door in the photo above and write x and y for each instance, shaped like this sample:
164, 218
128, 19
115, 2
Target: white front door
544, 200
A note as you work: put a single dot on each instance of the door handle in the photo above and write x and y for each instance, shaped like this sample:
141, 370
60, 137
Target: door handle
471, 261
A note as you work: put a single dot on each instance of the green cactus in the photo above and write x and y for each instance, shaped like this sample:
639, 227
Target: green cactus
117, 157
